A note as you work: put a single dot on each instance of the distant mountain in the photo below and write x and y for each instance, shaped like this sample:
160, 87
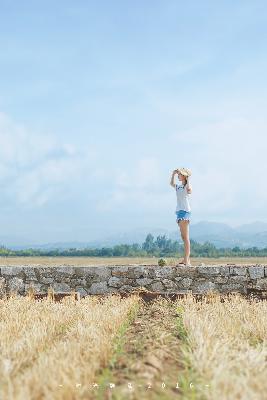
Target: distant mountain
253, 227
220, 234
211, 228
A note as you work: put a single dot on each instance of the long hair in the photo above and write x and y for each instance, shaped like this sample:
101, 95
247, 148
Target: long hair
185, 182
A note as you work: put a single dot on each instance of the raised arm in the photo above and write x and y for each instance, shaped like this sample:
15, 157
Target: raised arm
172, 178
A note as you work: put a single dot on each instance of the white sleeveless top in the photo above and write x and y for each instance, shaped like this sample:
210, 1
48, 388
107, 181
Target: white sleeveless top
182, 198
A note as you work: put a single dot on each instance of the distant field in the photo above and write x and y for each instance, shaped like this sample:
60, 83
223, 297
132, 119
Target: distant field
54, 261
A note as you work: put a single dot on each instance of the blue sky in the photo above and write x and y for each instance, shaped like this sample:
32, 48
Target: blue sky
100, 101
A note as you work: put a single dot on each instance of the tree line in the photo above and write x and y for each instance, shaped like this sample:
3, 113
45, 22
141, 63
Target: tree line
157, 247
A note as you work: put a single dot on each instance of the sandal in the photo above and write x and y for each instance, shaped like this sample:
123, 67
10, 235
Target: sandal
183, 264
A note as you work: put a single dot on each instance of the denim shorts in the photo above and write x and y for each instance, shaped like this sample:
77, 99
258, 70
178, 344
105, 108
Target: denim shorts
182, 214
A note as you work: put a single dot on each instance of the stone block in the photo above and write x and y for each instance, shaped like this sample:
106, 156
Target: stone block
224, 270
238, 279
46, 280
232, 287
256, 272
103, 272
238, 270
65, 270
44, 271
186, 282
12, 270
261, 284
35, 285
81, 290
165, 272
16, 284
221, 279
126, 289
169, 284
157, 287
185, 272
30, 273
98, 288
115, 282
83, 272
61, 287
203, 287
144, 281
120, 270
208, 270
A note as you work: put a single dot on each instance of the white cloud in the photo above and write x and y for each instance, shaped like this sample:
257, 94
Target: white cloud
36, 168
228, 162
139, 187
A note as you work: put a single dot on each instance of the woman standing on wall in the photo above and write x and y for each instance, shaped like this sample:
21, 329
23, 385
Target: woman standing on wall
183, 209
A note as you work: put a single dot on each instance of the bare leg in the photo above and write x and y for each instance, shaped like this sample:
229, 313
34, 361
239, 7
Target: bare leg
184, 228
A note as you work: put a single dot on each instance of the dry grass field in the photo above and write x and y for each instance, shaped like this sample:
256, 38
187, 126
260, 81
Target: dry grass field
54, 261
123, 348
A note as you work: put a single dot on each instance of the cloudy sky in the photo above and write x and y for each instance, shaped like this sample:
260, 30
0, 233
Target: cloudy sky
101, 100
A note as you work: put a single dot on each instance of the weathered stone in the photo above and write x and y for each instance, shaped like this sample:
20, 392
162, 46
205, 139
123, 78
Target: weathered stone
157, 287
141, 272
256, 272
238, 270
115, 282
108, 279
186, 282
203, 287
46, 280
64, 270
12, 270
36, 286
126, 289
186, 272
164, 272
120, 271
98, 288
76, 281
82, 291
209, 270
220, 279
224, 270
232, 287
61, 287
261, 284
237, 279
29, 273
102, 272
83, 272
2, 285
169, 284
44, 271
144, 281
16, 284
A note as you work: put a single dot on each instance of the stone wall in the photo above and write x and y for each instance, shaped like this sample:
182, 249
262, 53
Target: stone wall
117, 278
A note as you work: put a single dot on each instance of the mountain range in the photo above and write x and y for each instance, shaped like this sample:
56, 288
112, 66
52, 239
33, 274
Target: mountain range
220, 234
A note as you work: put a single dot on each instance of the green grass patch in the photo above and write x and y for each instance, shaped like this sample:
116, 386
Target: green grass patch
189, 380
106, 375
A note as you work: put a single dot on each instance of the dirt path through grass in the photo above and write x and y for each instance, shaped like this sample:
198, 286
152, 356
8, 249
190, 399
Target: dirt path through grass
149, 363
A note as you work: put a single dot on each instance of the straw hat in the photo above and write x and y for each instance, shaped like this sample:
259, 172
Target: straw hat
184, 171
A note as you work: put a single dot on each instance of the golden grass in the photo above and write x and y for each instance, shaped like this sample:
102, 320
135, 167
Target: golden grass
78, 261
57, 351
227, 345
46, 344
